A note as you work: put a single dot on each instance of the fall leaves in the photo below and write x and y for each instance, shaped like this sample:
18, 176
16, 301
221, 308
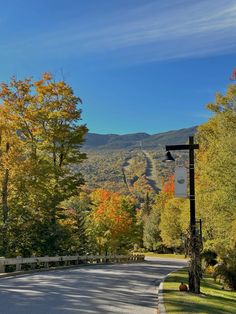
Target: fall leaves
112, 220
40, 180
109, 212
39, 123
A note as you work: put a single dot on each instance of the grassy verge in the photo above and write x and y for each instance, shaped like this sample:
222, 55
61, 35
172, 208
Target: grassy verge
213, 300
151, 254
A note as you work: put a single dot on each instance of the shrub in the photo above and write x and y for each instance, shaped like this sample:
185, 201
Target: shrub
227, 268
210, 270
209, 258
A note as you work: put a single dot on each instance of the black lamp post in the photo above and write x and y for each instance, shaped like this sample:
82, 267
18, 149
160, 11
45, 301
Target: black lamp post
195, 263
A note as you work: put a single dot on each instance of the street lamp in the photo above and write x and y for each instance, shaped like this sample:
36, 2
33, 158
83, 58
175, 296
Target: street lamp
195, 262
168, 157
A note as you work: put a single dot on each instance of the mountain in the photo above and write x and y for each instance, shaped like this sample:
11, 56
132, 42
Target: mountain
131, 141
130, 163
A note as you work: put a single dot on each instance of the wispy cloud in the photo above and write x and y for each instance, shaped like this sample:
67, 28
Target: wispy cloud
149, 32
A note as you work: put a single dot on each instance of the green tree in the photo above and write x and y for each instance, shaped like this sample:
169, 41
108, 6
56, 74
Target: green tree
172, 223
151, 226
166, 226
216, 170
78, 208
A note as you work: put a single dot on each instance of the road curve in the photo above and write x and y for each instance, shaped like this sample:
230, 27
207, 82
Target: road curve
113, 289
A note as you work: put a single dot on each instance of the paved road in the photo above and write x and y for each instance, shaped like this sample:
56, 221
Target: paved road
117, 288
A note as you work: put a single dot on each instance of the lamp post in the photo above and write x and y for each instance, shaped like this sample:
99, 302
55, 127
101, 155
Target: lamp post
195, 263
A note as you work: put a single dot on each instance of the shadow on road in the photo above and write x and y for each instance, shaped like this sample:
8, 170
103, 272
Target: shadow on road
122, 288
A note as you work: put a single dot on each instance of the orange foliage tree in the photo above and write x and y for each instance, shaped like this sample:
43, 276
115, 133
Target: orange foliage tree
111, 221
169, 185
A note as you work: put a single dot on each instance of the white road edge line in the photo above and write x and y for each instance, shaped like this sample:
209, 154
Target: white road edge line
160, 295
161, 306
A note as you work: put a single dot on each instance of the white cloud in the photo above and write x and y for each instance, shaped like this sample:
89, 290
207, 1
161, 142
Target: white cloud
150, 32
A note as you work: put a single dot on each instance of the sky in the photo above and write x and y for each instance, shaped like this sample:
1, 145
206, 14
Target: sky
138, 65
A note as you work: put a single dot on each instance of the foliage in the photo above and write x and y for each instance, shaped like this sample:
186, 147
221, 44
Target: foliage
151, 230
40, 138
216, 182
104, 170
165, 227
151, 234
209, 258
171, 224
75, 216
215, 187
112, 221
216, 168
226, 269
40, 180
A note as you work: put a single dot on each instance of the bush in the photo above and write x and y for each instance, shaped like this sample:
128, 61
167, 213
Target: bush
210, 270
209, 258
226, 270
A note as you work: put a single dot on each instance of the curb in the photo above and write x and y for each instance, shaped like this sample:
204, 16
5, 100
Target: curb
160, 295
161, 306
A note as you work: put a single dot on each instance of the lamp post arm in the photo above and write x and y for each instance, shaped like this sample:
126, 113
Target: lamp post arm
182, 147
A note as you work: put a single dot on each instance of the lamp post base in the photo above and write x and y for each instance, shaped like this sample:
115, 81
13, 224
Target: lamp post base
195, 270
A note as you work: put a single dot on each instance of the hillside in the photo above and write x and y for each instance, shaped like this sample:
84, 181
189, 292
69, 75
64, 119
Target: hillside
133, 141
132, 163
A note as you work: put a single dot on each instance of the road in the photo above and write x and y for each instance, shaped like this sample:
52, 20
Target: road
113, 289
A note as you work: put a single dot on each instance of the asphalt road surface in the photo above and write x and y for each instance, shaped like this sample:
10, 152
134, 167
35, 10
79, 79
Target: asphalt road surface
116, 288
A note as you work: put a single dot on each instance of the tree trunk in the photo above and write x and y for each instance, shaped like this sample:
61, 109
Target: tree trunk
5, 180
5, 209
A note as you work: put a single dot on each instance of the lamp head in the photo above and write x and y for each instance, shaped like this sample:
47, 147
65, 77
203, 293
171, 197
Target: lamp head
168, 157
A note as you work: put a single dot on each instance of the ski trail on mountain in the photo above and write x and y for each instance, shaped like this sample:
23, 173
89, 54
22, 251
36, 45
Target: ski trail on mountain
151, 171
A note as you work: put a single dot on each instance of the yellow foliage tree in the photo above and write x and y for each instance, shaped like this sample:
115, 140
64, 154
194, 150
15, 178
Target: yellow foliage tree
40, 140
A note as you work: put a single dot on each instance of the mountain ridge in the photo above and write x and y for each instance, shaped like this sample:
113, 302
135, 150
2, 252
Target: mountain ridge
96, 141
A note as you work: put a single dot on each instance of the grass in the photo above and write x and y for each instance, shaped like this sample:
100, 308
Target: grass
212, 300
151, 254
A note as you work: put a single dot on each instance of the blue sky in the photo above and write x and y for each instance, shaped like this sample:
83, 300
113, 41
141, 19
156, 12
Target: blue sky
139, 65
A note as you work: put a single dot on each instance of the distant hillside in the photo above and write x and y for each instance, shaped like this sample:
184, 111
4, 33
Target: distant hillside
132, 141
131, 163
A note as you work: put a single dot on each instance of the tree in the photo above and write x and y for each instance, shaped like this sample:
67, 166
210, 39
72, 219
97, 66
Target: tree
216, 167
75, 216
171, 224
40, 144
151, 227
167, 223
112, 221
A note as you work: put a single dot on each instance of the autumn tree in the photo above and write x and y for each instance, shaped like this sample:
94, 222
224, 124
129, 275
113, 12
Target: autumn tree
112, 222
216, 194
215, 186
174, 223
40, 141
166, 226
216, 167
